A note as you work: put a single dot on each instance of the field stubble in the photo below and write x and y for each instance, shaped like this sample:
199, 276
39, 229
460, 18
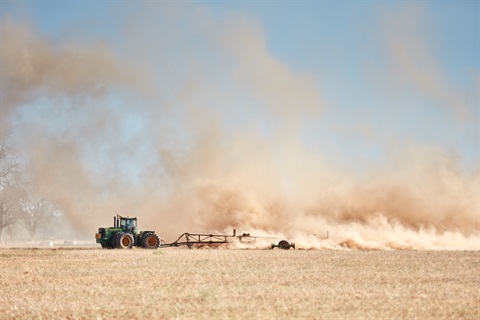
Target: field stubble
219, 284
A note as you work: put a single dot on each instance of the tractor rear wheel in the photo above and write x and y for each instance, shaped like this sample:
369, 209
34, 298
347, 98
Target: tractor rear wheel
123, 240
150, 241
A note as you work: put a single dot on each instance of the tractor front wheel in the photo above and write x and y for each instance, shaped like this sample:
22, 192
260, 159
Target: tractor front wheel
106, 245
150, 241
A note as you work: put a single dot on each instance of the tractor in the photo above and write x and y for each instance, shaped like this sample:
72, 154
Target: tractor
124, 235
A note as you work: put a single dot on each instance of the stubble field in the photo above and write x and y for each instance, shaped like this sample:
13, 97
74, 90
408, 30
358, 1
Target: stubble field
238, 284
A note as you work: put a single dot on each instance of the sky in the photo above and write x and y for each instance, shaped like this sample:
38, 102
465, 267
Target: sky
195, 102
346, 47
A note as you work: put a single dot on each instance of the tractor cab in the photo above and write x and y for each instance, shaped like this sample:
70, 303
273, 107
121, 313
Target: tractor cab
127, 224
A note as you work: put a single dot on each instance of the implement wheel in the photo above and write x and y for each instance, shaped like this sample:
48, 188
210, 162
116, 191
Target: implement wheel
150, 241
284, 244
123, 240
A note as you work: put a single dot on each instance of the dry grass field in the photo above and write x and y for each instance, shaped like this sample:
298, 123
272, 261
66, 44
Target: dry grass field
238, 284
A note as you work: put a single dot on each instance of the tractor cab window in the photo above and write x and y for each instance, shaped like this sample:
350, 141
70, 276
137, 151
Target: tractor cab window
128, 223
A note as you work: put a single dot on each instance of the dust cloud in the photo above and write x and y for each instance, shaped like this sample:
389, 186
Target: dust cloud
197, 127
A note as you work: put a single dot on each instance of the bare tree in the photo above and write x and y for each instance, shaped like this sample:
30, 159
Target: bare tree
10, 207
9, 186
37, 211
9, 167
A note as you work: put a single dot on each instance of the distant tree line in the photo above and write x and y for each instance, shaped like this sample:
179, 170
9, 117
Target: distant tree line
22, 201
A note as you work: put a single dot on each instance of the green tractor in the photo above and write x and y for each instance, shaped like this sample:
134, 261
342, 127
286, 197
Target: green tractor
124, 235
